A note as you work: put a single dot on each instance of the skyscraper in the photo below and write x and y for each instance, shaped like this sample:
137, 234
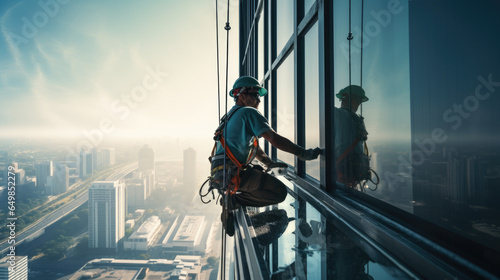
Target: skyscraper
96, 158
136, 193
60, 179
85, 164
19, 174
107, 210
108, 156
43, 170
146, 158
189, 171
149, 176
20, 177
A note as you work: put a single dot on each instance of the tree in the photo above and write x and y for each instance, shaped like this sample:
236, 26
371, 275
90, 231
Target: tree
212, 261
83, 246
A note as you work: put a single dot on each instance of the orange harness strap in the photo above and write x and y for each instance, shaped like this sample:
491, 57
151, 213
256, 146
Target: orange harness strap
236, 180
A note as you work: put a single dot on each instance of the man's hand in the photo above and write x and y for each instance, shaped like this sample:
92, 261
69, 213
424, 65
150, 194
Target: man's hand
310, 154
275, 164
278, 168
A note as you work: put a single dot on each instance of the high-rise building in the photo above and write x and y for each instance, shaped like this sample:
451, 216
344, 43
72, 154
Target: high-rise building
43, 170
96, 158
150, 182
146, 158
14, 268
136, 192
19, 174
107, 210
108, 156
6, 173
85, 164
189, 171
60, 179
20, 177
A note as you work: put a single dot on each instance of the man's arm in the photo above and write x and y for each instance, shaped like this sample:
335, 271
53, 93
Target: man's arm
281, 142
286, 145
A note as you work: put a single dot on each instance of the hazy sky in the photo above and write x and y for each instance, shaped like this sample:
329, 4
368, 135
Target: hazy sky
126, 67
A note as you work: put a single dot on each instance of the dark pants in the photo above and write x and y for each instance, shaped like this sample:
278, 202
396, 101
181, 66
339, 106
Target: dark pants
257, 189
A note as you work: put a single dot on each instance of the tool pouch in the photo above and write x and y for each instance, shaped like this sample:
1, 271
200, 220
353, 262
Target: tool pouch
217, 173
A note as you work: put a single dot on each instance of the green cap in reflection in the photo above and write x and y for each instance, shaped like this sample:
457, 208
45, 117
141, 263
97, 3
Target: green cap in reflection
354, 90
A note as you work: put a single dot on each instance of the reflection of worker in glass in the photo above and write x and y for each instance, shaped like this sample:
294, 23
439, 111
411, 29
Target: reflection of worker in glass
351, 159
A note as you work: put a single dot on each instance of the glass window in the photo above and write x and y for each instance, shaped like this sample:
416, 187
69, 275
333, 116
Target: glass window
311, 69
383, 73
455, 157
260, 48
284, 23
285, 110
286, 242
312, 229
307, 5
305, 245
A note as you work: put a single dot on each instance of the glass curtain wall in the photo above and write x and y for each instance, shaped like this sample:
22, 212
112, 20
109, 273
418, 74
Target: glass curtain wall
377, 59
429, 77
455, 79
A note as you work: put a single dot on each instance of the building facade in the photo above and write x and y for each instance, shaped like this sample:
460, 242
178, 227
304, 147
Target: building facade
187, 235
43, 170
144, 236
85, 164
59, 182
430, 71
107, 212
108, 156
14, 268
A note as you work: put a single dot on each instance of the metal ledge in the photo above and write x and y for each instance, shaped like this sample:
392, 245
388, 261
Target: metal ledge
409, 251
250, 259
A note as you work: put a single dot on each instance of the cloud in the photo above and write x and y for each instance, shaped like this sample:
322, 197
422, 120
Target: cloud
8, 35
69, 75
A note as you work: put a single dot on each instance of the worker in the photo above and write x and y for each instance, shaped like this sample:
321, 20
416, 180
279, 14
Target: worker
351, 155
244, 125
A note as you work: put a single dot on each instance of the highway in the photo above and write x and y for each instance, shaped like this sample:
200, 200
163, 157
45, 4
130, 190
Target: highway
38, 228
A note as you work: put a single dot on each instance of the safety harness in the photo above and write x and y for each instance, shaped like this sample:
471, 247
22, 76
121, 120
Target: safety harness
233, 166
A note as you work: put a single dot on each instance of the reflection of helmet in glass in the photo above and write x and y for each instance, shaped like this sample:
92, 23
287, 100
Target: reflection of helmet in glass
354, 90
247, 81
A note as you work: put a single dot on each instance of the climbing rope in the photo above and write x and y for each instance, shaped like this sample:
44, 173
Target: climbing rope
349, 38
363, 185
227, 27
361, 66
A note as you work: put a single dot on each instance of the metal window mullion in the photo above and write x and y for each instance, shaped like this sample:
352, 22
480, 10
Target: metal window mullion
326, 89
272, 32
299, 85
265, 18
308, 20
242, 39
326, 96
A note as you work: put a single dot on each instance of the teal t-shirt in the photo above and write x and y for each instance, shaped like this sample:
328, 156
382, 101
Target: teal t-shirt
243, 126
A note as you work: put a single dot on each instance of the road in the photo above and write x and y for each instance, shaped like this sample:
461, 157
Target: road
37, 228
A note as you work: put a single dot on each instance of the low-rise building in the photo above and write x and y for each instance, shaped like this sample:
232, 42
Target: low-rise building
188, 237
129, 224
189, 266
14, 267
143, 237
